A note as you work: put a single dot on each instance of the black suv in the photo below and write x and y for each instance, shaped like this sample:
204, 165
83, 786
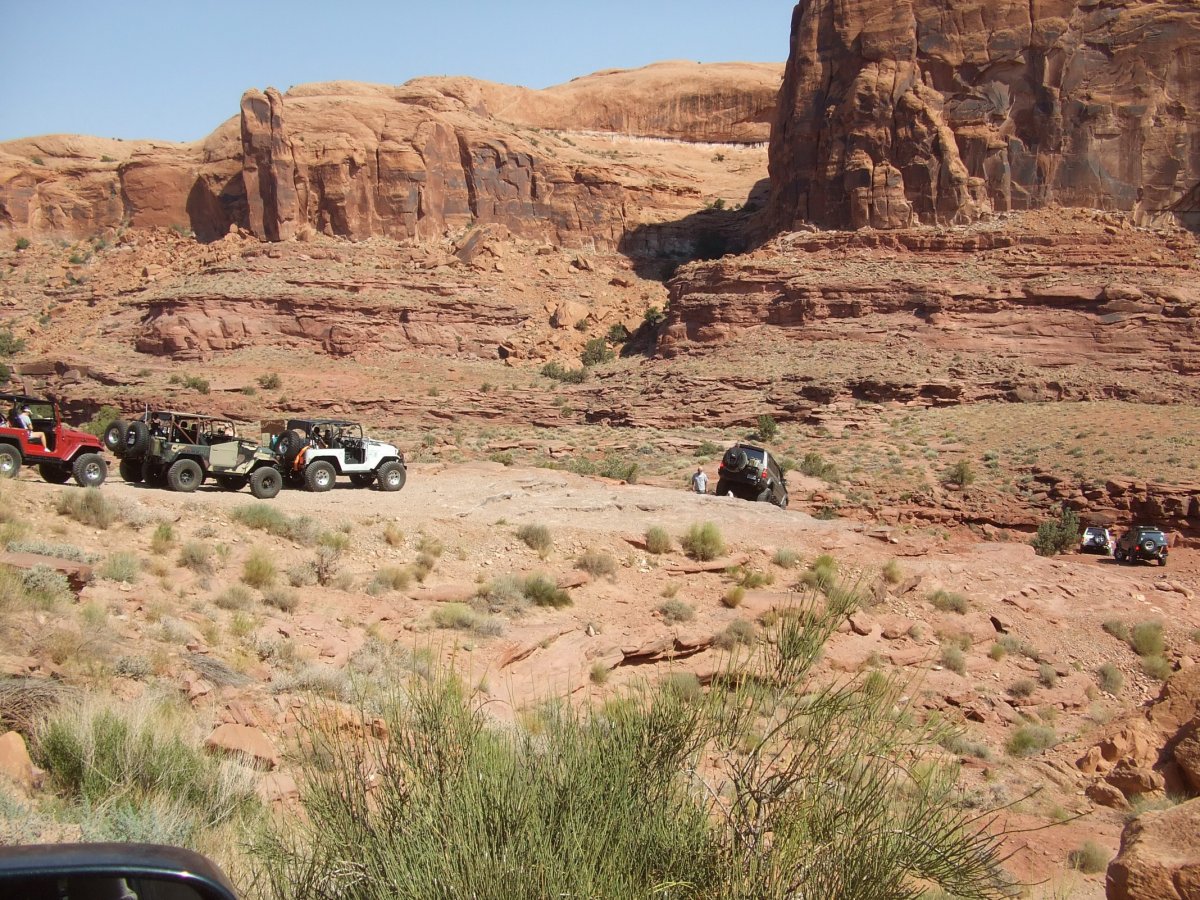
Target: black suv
1142, 542
752, 473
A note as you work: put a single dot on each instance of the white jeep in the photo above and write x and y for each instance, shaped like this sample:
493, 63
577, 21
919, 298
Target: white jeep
314, 452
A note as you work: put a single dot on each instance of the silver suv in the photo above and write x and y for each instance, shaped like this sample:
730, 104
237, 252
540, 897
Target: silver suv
752, 473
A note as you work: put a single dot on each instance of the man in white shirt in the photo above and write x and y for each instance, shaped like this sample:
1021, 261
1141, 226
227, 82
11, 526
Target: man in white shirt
700, 481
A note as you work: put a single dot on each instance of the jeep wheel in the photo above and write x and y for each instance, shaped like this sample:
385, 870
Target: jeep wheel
137, 438
289, 444
1162, 560
266, 482
54, 473
319, 476
184, 475
89, 470
735, 459
10, 461
392, 476
783, 501
232, 482
763, 496
152, 474
131, 471
1119, 555
362, 479
722, 489
114, 437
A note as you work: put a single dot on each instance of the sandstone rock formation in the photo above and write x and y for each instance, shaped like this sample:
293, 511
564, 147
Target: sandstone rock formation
359, 160
932, 111
1159, 857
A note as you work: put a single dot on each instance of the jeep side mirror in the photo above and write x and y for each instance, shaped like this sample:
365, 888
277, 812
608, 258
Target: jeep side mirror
109, 872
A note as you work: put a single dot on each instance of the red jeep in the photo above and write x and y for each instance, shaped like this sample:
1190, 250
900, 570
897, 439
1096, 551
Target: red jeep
58, 451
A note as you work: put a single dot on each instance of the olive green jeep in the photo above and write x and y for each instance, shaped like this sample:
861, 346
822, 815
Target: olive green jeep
181, 449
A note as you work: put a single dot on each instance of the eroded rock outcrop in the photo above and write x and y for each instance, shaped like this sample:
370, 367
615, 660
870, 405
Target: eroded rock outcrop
932, 111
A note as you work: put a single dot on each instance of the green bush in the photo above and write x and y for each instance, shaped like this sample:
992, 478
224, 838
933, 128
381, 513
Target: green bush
163, 538
461, 617
703, 542
581, 801
196, 383
675, 611
786, 558
617, 334
1111, 679
235, 596
281, 598
960, 474
1022, 687
89, 507
558, 372
1146, 638
815, 466
10, 345
822, 572
121, 566
734, 596
542, 591
1117, 629
1157, 666
197, 556
1031, 739
1090, 859
22, 243
739, 631
258, 571
597, 563
945, 601
618, 469
953, 659
270, 381
300, 529
391, 578
104, 417
536, 537
596, 351
44, 585
1057, 536
653, 317
658, 541
892, 573
1047, 675
768, 428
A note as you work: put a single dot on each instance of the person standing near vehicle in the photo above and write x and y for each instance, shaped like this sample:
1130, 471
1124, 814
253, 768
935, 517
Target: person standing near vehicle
700, 481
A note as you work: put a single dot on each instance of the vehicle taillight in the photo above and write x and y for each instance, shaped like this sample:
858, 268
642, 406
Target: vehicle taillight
765, 475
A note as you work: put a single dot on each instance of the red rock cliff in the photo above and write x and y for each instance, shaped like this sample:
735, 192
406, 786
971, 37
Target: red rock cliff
898, 111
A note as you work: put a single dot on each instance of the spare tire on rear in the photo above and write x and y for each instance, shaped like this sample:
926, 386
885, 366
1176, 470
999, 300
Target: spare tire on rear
137, 439
114, 437
290, 443
735, 459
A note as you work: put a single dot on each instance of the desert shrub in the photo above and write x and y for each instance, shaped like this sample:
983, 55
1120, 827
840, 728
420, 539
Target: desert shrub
195, 383
88, 507
617, 334
125, 763
599, 673
1022, 687
1057, 536
391, 578
1030, 739
454, 615
542, 591
597, 563
1047, 676
302, 574
315, 679
326, 563
953, 659
892, 573
602, 801
136, 667
749, 578
423, 565
708, 448
1013, 644
618, 469
1111, 679
960, 745
997, 652
946, 601
768, 428
821, 573
393, 536
739, 631
262, 517
786, 558
44, 585
22, 243
197, 556
101, 420
163, 538
536, 537
10, 345
558, 372
1117, 629
734, 596
431, 545
1090, 859
281, 598
258, 570
1157, 666
1146, 638
960, 474
595, 352
235, 596
270, 381
815, 466
703, 542
675, 611
658, 541
49, 548
121, 566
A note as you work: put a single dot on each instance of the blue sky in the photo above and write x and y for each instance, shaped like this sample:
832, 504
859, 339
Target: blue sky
175, 70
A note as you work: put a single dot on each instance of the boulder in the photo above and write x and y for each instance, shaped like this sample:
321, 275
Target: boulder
1159, 857
15, 763
246, 741
1187, 755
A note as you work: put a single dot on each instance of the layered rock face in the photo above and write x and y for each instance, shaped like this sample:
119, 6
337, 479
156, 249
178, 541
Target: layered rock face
894, 112
358, 160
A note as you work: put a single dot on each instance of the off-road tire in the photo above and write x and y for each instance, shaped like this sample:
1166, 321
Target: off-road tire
232, 482
10, 461
723, 489
184, 476
114, 437
54, 473
1119, 555
289, 444
137, 439
319, 476
131, 471
392, 475
362, 479
735, 459
89, 470
764, 496
1162, 560
783, 502
266, 482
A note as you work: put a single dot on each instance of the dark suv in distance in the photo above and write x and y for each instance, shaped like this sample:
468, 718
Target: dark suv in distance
1142, 542
751, 473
